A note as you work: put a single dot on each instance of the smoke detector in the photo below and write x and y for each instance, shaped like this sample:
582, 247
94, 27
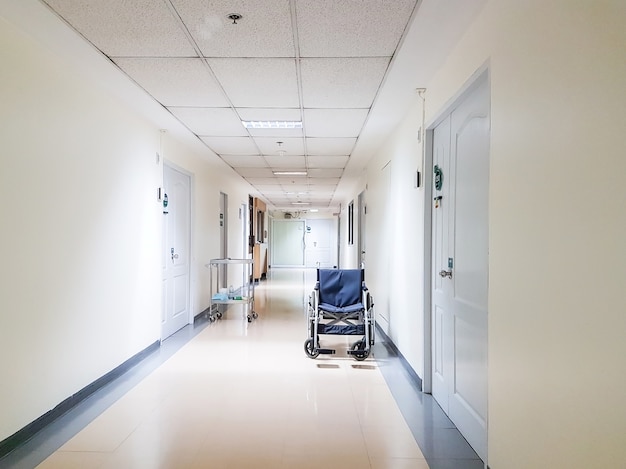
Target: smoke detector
234, 17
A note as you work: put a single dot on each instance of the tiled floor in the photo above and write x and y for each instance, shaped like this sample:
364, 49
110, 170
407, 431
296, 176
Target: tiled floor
238, 395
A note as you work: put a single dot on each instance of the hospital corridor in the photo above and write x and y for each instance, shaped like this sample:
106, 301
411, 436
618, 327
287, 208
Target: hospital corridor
244, 395
464, 159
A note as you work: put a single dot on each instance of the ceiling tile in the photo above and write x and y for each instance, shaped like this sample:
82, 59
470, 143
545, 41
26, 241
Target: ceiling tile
330, 146
292, 181
282, 162
351, 28
251, 82
263, 31
295, 187
341, 83
269, 189
325, 173
175, 81
263, 181
322, 190
269, 114
231, 145
124, 28
269, 146
327, 161
324, 181
255, 172
244, 161
334, 122
276, 134
214, 122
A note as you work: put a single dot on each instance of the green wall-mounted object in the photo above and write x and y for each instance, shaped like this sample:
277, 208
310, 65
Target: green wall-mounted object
438, 177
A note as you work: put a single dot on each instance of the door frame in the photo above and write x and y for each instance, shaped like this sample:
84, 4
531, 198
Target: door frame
476, 79
175, 167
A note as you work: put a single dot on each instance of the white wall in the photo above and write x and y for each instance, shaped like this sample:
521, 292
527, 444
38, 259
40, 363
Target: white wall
80, 291
394, 231
80, 229
209, 178
557, 372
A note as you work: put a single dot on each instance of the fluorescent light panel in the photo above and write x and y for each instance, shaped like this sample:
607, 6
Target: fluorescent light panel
272, 124
290, 173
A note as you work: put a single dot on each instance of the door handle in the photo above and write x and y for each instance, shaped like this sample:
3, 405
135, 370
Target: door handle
174, 256
445, 273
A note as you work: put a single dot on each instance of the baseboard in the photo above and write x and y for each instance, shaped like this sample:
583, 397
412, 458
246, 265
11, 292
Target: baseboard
391, 347
21, 436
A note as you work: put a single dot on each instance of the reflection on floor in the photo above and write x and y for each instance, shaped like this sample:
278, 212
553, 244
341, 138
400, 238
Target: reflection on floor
234, 394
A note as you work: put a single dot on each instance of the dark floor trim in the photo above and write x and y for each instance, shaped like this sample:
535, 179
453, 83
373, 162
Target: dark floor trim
391, 347
441, 443
21, 436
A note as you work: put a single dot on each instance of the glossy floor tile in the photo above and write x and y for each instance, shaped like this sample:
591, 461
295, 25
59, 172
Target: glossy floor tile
244, 395
234, 394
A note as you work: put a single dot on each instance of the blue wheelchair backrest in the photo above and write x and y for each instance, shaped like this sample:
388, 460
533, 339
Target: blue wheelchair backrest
340, 287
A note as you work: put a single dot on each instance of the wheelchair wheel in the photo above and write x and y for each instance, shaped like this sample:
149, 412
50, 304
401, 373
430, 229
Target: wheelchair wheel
361, 353
309, 350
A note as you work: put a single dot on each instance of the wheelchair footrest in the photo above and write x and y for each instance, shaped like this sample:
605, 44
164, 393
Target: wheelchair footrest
326, 351
355, 352
341, 329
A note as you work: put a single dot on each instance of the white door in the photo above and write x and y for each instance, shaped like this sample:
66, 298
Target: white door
319, 240
460, 266
223, 239
287, 246
176, 244
361, 231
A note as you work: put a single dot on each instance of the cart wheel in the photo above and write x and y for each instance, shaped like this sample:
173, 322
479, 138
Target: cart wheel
309, 350
211, 319
255, 314
219, 315
360, 346
249, 318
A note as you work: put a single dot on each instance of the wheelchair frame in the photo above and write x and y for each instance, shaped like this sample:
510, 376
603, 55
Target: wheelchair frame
354, 319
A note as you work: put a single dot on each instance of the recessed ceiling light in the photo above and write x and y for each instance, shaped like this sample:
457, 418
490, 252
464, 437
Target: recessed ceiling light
300, 203
272, 124
314, 210
290, 173
234, 17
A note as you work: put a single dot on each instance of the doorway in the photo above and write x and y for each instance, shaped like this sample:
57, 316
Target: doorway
320, 248
459, 263
287, 243
176, 251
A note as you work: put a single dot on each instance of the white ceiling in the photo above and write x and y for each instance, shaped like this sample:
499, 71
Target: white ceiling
335, 65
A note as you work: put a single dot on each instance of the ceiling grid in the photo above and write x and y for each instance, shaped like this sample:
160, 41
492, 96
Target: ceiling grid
321, 62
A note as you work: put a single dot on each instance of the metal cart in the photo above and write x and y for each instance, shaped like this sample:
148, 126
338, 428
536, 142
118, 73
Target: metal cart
244, 295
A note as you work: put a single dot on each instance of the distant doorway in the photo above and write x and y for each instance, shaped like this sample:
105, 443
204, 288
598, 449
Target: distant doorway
287, 243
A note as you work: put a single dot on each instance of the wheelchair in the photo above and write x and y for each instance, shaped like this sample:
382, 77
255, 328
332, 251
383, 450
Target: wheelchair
340, 304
